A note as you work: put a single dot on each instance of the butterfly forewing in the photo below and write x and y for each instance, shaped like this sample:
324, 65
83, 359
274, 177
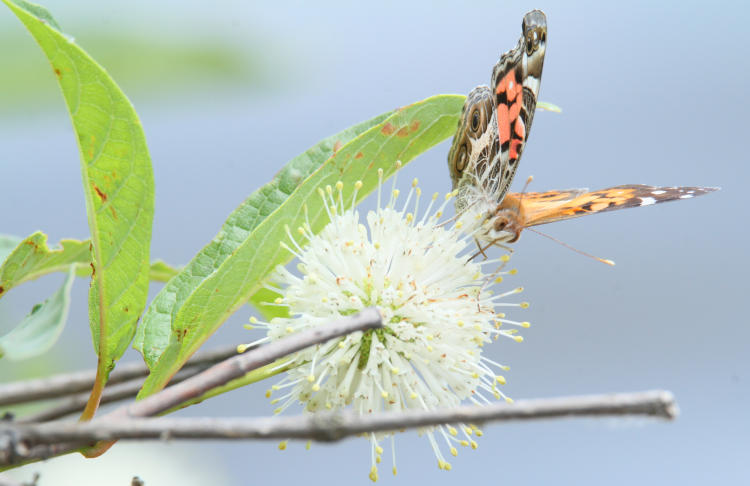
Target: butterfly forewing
537, 208
516, 79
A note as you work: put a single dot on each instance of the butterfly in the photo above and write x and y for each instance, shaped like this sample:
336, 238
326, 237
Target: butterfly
518, 211
492, 133
495, 120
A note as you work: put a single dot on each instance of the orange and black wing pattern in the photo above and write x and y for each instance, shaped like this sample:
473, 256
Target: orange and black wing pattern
535, 208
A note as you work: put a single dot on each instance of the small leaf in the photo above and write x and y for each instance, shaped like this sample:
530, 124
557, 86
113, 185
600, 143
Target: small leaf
230, 270
161, 271
39, 331
543, 105
31, 258
260, 301
118, 187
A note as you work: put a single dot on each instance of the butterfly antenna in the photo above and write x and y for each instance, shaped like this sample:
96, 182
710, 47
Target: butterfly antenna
603, 260
523, 193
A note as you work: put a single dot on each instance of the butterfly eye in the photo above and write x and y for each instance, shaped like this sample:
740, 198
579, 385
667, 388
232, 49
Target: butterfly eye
461, 160
500, 223
475, 120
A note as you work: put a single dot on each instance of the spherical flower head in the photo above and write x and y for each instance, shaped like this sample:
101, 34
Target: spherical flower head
435, 301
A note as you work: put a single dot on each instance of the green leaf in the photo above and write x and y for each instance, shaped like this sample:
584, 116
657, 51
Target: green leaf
161, 271
31, 258
543, 105
118, 187
260, 301
39, 331
231, 269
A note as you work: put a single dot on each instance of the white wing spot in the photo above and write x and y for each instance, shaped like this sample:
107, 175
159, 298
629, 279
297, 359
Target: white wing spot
686, 196
647, 201
657, 193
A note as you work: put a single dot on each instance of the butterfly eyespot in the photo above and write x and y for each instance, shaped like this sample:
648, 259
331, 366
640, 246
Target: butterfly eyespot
530, 43
461, 160
475, 119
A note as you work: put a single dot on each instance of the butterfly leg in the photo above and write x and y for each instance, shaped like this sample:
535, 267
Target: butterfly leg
503, 245
481, 250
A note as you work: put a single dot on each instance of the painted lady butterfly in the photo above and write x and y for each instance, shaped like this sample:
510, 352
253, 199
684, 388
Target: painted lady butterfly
491, 136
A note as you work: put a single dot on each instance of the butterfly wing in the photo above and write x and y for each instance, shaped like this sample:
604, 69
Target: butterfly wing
515, 82
546, 207
495, 120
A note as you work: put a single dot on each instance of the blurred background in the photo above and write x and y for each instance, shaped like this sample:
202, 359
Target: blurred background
228, 92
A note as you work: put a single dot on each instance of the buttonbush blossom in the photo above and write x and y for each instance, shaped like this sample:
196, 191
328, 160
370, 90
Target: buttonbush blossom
437, 306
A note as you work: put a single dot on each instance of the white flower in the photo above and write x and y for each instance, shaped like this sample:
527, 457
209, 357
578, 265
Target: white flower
435, 303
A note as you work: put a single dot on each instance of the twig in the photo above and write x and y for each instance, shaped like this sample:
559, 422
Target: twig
82, 381
336, 426
217, 375
236, 367
121, 391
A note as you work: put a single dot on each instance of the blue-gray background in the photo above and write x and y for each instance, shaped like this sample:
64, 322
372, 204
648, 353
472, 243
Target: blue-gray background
651, 94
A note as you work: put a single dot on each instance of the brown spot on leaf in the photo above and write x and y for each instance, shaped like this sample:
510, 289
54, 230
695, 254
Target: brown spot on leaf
58, 73
402, 132
337, 146
415, 125
359, 155
112, 210
181, 333
126, 309
371, 164
99, 193
93, 269
2, 289
388, 129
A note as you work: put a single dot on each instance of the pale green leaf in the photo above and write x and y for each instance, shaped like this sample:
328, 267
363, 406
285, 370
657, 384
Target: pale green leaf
39, 331
161, 271
31, 258
543, 105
